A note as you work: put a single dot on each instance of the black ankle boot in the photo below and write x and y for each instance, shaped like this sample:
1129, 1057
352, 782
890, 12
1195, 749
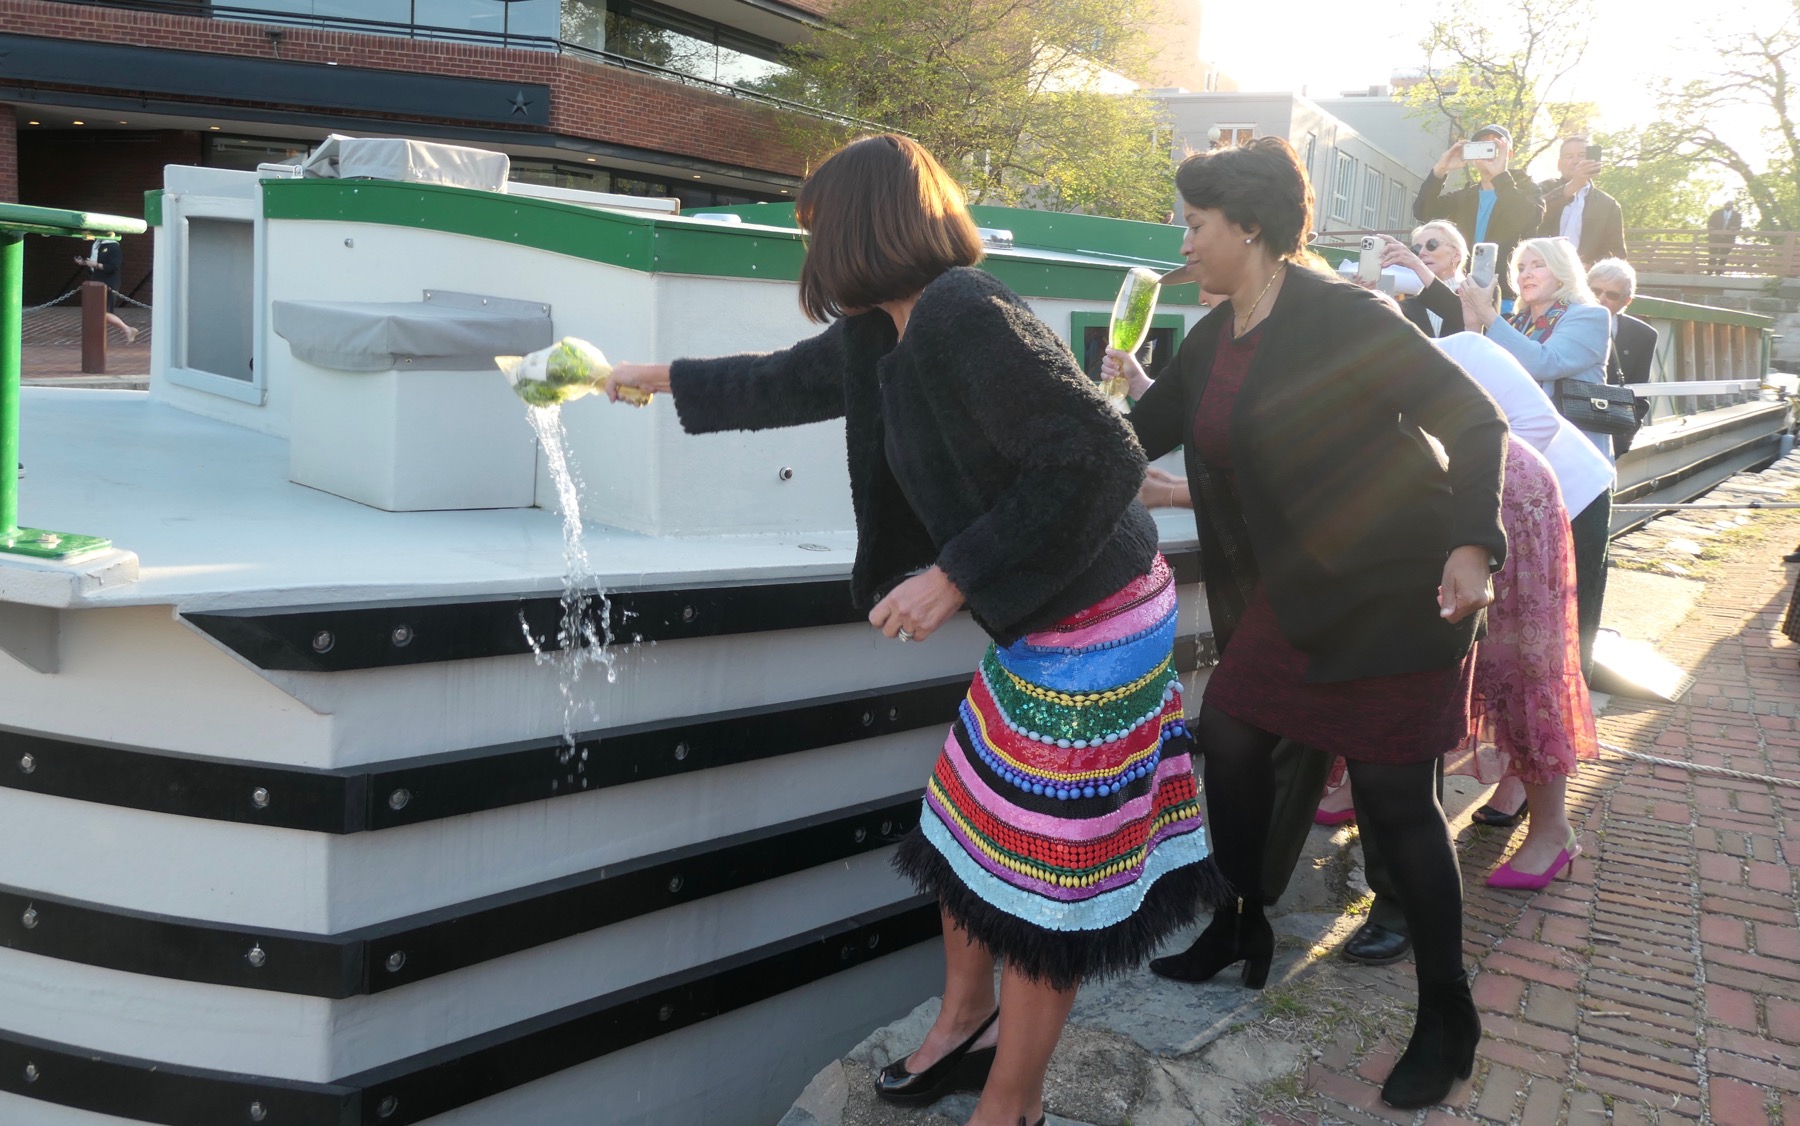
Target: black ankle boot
1442, 1048
1236, 934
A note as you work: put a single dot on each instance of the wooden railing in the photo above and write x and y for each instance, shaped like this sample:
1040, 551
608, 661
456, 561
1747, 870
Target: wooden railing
1753, 253
1664, 251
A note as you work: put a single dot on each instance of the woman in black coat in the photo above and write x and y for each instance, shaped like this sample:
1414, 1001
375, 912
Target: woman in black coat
1061, 827
1346, 565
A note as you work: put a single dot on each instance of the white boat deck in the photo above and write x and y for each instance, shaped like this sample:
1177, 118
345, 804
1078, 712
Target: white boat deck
208, 511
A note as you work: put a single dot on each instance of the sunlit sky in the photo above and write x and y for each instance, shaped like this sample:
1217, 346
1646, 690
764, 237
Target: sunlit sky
1328, 46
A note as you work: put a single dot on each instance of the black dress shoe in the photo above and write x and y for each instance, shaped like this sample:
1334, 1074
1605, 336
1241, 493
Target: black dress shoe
1376, 945
1499, 818
960, 1070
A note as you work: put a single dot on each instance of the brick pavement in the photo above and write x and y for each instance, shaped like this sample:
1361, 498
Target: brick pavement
1660, 981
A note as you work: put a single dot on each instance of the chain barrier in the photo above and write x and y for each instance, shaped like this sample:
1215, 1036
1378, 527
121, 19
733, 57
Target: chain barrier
47, 325
1689, 505
1702, 768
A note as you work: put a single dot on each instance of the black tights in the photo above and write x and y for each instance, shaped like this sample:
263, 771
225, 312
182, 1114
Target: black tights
1395, 804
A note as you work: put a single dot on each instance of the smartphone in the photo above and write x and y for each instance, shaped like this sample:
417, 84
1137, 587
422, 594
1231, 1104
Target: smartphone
1483, 264
1480, 150
1368, 263
1593, 152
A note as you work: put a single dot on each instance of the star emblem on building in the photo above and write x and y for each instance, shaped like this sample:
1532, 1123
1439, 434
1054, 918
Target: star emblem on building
520, 103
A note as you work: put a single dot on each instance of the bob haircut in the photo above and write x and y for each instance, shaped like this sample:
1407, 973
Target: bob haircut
883, 220
1448, 232
1260, 186
1565, 266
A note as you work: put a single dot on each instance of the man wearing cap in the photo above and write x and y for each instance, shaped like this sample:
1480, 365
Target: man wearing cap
1502, 208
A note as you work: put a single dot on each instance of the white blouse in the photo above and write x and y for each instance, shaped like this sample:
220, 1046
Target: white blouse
1582, 471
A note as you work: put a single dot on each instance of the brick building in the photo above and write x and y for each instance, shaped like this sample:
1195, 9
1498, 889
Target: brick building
652, 97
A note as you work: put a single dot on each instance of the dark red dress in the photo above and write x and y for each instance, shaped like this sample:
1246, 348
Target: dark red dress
1413, 717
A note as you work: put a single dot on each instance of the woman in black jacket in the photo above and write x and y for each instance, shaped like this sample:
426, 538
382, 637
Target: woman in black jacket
1346, 566
1061, 827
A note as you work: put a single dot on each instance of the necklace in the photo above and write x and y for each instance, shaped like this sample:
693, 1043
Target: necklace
1251, 312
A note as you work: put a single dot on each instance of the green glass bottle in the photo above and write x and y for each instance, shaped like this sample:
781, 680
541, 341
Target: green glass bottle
568, 369
1131, 314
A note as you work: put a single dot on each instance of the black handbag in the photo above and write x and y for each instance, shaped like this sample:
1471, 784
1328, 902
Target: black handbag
1598, 407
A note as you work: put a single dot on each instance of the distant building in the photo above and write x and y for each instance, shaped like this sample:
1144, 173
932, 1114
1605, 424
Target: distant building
1183, 60
1380, 116
1359, 183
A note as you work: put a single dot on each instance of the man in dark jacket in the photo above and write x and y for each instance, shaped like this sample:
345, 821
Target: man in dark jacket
1502, 208
1614, 283
1722, 227
1576, 208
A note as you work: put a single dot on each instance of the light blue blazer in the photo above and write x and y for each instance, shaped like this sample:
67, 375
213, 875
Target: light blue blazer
1576, 349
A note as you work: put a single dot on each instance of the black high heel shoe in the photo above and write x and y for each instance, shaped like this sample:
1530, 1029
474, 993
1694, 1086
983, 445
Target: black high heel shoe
1235, 935
1442, 1048
960, 1070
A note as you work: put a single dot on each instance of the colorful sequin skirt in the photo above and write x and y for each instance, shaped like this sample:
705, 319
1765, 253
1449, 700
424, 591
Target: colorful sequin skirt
1061, 826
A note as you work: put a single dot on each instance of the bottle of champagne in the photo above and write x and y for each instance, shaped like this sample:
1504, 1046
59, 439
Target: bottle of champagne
567, 370
1130, 325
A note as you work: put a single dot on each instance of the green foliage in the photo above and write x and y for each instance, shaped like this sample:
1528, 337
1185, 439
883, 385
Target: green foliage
1482, 70
1757, 70
1655, 185
1019, 99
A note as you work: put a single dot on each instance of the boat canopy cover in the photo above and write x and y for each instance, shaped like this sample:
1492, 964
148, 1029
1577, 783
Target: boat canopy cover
418, 162
444, 332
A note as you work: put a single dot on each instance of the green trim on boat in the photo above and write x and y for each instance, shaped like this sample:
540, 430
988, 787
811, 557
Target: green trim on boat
1664, 309
656, 244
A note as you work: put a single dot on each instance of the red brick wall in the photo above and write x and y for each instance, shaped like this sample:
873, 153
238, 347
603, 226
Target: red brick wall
592, 101
93, 170
9, 155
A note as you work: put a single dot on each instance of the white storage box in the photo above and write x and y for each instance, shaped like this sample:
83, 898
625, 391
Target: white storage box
399, 406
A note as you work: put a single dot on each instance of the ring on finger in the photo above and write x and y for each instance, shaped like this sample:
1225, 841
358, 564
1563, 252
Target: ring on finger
903, 635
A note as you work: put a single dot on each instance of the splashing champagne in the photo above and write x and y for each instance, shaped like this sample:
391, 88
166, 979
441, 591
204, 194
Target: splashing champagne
1131, 322
567, 370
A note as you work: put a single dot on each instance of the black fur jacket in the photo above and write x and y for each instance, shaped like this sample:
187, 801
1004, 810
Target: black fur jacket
974, 443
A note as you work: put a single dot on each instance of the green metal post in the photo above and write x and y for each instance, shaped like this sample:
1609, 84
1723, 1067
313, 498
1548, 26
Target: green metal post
12, 318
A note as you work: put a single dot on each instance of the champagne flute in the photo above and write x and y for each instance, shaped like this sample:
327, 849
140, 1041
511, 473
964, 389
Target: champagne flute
1130, 323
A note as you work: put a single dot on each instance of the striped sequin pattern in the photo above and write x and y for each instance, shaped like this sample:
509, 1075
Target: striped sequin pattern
1066, 784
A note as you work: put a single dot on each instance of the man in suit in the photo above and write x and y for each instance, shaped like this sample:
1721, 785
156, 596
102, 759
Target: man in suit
1722, 227
1614, 283
1576, 208
1502, 208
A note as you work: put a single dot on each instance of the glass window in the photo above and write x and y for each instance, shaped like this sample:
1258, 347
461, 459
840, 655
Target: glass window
1230, 135
1396, 206
626, 185
245, 153
584, 23
557, 174
1343, 188
381, 11
1373, 183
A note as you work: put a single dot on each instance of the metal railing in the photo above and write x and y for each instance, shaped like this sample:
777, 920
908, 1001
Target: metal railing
503, 39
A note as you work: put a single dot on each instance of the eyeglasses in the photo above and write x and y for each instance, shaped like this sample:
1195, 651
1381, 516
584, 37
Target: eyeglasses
1430, 244
1613, 294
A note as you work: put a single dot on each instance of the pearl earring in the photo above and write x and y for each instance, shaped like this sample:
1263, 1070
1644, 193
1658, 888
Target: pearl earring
1248, 241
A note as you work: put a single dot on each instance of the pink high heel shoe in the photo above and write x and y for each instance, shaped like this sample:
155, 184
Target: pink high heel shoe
1327, 817
1506, 876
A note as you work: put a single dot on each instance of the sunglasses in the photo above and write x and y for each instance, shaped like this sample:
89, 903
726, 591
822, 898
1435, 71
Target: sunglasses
1614, 294
1427, 245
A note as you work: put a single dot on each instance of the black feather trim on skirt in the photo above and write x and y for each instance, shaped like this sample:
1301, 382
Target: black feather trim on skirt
1065, 959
